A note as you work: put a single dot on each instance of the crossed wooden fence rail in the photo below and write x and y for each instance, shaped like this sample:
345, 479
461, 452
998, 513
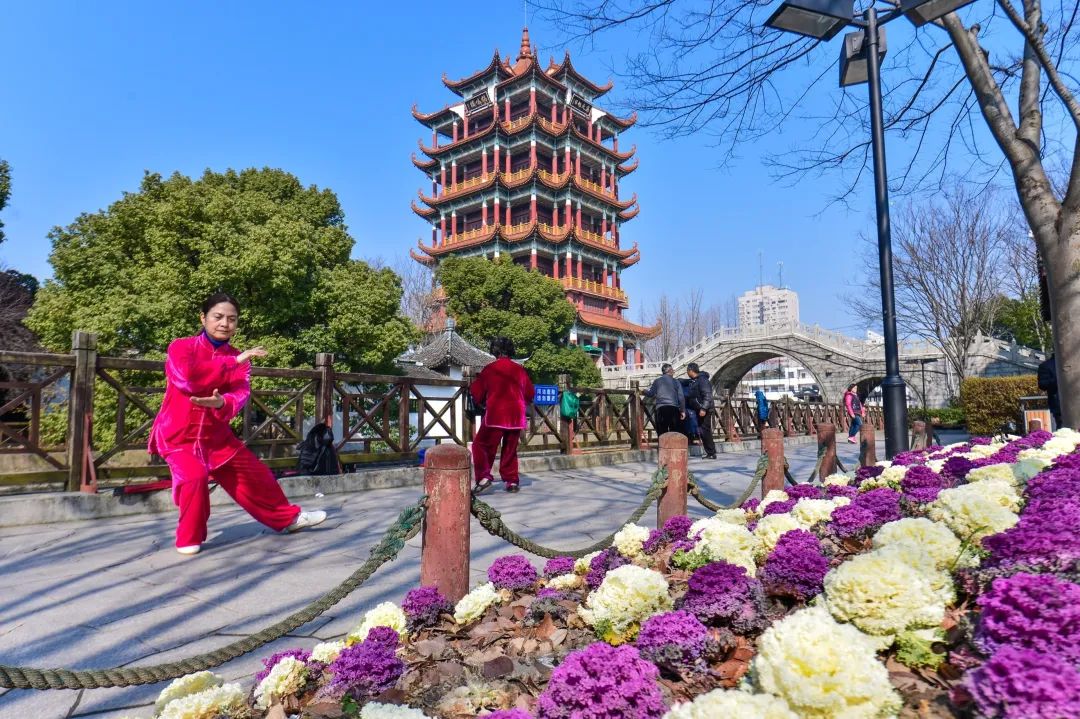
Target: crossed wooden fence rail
72, 421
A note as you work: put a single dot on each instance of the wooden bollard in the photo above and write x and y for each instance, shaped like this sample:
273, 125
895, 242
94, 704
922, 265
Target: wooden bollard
673, 455
826, 439
444, 559
867, 446
772, 445
1034, 425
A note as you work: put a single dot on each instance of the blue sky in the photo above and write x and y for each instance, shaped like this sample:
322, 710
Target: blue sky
95, 93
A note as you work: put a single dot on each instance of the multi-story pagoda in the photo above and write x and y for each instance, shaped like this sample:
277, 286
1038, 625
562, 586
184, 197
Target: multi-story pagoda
525, 164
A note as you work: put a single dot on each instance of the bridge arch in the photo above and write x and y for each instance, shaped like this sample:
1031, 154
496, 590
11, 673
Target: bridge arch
734, 368
866, 384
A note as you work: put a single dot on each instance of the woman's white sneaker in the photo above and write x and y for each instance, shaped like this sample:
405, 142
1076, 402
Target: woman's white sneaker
190, 549
307, 519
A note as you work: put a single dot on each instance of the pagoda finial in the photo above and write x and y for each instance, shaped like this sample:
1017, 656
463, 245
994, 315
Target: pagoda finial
526, 48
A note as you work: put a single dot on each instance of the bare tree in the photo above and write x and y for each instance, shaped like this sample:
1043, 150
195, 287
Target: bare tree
713, 65
16, 295
418, 292
685, 320
669, 315
950, 264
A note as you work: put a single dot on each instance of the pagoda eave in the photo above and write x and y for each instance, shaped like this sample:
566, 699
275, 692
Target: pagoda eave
428, 164
606, 322
567, 67
425, 212
622, 122
496, 65
461, 141
629, 214
424, 259
520, 233
428, 118
626, 169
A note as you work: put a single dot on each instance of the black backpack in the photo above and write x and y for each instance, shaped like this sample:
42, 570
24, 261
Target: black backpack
316, 454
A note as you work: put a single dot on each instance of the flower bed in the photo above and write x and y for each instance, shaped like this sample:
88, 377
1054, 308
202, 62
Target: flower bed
942, 584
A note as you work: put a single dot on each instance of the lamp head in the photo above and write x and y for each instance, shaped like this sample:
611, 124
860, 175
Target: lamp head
920, 12
821, 19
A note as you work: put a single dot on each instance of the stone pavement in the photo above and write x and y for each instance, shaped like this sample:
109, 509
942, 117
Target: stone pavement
112, 592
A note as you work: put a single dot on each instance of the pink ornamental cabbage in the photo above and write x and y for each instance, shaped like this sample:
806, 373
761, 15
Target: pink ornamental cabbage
602, 682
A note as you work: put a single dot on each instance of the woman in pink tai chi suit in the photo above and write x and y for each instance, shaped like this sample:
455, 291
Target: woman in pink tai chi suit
206, 385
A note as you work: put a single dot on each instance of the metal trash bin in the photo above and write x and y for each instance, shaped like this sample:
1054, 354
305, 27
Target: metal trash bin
1036, 408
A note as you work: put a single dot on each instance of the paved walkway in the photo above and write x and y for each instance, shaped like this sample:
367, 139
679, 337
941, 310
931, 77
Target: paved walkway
105, 593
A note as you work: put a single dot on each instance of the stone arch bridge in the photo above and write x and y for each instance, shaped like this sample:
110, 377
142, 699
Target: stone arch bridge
835, 360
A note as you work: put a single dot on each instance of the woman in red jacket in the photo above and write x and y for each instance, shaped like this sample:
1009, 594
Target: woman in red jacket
505, 390
206, 385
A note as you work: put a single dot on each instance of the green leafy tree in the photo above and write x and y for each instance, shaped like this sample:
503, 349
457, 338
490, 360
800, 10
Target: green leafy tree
136, 272
1020, 320
499, 298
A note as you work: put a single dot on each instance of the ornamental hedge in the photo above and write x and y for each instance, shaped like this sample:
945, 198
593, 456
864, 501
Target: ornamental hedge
990, 402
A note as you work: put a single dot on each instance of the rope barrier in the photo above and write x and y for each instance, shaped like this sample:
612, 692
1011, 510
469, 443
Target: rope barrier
393, 540
759, 474
787, 473
817, 466
840, 465
491, 520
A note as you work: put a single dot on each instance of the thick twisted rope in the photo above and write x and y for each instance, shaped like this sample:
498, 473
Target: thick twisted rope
817, 466
759, 474
404, 528
491, 520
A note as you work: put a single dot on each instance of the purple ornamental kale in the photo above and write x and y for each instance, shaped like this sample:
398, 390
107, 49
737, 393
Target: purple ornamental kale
1044, 538
673, 640
654, 541
512, 572
367, 669
558, 565
509, 714
922, 484
1056, 482
549, 593
751, 504
384, 636
602, 682
603, 563
979, 441
721, 594
867, 472
1067, 461
867, 512
796, 567
909, 458
1020, 683
1036, 611
957, 468
835, 490
423, 605
268, 663
804, 491
781, 507
678, 527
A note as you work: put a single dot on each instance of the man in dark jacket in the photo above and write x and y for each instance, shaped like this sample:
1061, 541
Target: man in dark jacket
1048, 384
701, 399
670, 401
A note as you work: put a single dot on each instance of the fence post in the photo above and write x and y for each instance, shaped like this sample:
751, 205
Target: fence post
636, 415
468, 374
444, 557
728, 418
405, 397
324, 389
826, 440
772, 445
1034, 425
789, 428
81, 407
867, 446
566, 429
673, 455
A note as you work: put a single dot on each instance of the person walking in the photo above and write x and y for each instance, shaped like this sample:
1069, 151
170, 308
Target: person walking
670, 401
505, 391
762, 409
1047, 378
207, 383
701, 395
853, 406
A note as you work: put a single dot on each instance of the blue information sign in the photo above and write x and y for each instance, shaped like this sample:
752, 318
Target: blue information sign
546, 395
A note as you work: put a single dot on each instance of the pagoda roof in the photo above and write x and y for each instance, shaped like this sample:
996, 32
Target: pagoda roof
607, 322
556, 70
431, 117
428, 164
424, 259
447, 349
496, 66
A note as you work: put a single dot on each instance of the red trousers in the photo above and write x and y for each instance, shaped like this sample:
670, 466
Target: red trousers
244, 477
486, 443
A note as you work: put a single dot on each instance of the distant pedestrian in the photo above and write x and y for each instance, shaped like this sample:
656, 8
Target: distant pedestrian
853, 406
1048, 384
701, 400
762, 408
505, 391
670, 401
690, 423
206, 385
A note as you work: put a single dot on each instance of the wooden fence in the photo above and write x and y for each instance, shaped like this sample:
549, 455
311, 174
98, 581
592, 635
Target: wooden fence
74, 421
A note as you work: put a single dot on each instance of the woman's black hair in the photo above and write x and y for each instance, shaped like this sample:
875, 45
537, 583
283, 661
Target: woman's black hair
218, 298
502, 347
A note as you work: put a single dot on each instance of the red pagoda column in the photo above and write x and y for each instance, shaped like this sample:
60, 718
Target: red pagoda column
555, 215
442, 228
603, 226
577, 165
567, 219
465, 128
453, 223
442, 180
483, 162
603, 176
579, 216
508, 160
555, 265
615, 140
509, 215
579, 265
532, 100
532, 208
435, 139
495, 217
453, 174
620, 355
554, 163
455, 133
483, 214
495, 158
532, 259
569, 264
566, 163
508, 108
604, 281
532, 154
552, 113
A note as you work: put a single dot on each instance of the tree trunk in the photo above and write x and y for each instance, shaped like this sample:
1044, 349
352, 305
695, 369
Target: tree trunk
1063, 277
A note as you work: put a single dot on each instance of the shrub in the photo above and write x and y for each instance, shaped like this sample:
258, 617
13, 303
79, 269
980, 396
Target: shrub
945, 416
989, 402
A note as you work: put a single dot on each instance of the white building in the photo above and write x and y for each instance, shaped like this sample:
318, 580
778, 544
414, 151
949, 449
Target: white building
778, 378
766, 306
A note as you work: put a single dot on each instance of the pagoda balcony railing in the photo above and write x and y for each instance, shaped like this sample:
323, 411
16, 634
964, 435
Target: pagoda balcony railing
594, 288
466, 185
554, 178
594, 186
522, 228
584, 234
515, 125
471, 234
553, 233
517, 176
553, 128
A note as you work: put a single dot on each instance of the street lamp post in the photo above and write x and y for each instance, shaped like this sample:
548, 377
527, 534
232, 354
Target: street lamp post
861, 62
